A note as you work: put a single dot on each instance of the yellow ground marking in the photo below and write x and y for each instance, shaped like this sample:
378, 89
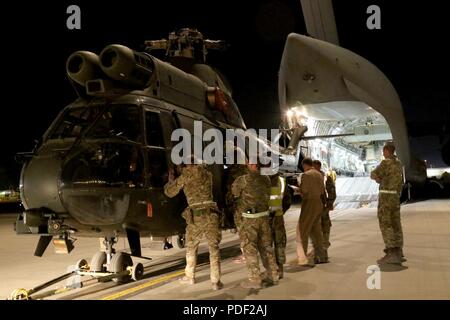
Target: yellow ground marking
143, 286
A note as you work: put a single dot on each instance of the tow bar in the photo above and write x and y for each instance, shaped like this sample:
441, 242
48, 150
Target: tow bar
134, 272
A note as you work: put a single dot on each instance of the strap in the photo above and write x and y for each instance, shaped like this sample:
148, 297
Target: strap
202, 203
255, 215
388, 191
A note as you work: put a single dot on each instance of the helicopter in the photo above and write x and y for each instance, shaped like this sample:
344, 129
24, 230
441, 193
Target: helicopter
100, 168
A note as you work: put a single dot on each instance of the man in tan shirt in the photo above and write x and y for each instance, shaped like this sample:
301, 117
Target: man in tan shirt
312, 190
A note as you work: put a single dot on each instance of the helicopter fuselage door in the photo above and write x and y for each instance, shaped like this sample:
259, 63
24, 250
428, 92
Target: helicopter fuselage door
163, 215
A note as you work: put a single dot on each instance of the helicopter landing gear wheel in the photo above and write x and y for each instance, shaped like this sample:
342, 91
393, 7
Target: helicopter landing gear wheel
180, 241
98, 262
120, 262
137, 272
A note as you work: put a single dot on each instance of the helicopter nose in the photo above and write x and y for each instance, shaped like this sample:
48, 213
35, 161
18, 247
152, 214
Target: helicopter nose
95, 187
40, 183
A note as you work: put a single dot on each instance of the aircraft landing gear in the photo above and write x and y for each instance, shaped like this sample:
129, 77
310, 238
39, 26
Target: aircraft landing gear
109, 243
108, 261
180, 241
119, 263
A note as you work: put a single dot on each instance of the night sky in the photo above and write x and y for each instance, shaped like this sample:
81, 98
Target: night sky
411, 48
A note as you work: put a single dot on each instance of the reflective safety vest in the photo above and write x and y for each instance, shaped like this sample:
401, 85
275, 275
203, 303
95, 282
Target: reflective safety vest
276, 197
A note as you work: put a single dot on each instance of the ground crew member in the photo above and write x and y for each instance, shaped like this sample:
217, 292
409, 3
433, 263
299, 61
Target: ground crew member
252, 192
279, 203
312, 191
202, 218
389, 175
330, 189
235, 171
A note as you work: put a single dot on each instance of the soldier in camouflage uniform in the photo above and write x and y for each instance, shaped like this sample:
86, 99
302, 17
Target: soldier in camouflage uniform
253, 193
330, 189
202, 218
280, 202
235, 171
389, 175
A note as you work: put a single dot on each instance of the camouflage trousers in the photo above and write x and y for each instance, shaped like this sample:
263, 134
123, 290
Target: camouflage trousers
326, 227
238, 222
256, 238
279, 238
206, 225
389, 220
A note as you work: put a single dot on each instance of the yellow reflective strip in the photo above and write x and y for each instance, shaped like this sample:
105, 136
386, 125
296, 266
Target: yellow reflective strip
283, 184
255, 215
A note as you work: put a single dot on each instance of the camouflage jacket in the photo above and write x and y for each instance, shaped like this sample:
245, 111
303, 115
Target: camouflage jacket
196, 183
330, 187
390, 173
252, 191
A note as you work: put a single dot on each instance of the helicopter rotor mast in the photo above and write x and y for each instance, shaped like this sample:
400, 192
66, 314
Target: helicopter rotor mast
187, 43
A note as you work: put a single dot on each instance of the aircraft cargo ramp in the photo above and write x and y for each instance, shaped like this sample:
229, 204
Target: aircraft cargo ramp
356, 192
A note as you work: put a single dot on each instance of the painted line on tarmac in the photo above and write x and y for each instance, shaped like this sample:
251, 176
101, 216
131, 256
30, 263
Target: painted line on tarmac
148, 284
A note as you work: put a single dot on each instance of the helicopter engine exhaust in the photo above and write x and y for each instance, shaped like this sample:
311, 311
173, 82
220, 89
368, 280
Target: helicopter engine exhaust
125, 65
83, 66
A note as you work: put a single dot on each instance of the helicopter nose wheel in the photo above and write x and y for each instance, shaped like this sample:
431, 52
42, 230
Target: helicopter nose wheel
120, 262
117, 267
98, 262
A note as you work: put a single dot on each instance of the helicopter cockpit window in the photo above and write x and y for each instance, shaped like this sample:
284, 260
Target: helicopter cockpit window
74, 121
153, 129
156, 157
118, 121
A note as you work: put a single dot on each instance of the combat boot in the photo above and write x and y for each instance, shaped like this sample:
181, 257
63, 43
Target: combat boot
320, 260
187, 280
400, 253
251, 283
302, 262
391, 257
271, 279
217, 285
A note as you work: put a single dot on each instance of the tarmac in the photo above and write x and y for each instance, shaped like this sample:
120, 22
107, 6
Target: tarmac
351, 274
